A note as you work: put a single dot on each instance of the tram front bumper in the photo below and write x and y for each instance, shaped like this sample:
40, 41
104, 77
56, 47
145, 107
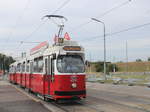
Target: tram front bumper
70, 94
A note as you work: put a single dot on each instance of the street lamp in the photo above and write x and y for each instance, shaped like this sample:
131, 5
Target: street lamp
104, 45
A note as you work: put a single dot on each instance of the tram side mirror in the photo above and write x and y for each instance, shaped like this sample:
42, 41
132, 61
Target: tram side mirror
54, 56
87, 63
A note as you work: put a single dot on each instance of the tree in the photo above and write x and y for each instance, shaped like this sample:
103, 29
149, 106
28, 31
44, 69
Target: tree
110, 67
5, 61
138, 60
148, 59
99, 66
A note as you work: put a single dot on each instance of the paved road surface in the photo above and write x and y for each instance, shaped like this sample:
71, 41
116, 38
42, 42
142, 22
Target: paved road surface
100, 98
11, 100
112, 98
118, 98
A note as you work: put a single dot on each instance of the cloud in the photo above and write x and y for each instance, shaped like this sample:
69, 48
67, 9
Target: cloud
77, 12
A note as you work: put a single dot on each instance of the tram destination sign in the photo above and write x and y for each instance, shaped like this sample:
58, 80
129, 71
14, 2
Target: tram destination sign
72, 48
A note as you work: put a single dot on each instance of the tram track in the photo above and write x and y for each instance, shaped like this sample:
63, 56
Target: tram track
58, 106
76, 106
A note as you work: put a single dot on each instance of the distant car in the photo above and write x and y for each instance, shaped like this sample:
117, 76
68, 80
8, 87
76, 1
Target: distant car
101, 80
147, 84
132, 82
117, 80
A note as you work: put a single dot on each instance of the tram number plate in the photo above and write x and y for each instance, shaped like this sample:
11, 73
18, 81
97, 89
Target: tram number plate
73, 78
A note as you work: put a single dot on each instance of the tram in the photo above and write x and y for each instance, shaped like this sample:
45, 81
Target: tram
53, 72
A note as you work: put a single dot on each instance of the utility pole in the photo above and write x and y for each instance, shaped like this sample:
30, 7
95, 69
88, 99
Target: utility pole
114, 66
104, 45
126, 57
90, 62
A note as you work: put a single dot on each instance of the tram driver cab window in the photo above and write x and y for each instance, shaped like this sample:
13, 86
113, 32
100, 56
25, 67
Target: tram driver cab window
70, 64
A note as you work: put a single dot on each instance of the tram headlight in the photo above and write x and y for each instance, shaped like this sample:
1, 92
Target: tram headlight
74, 85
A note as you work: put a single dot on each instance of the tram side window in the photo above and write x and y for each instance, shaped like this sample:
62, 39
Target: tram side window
23, 67
31, 67
52, 66
38, 65
12, 69
35, 66
27, 67
19, 68
46, 66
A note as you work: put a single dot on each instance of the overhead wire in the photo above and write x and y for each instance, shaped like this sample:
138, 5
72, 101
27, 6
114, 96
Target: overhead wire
18, 20
40, 25
101, 15
117, 32
65, 3
61, 6
16, 23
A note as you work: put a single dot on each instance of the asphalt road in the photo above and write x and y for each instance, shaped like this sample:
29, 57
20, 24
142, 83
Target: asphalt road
114, 102
118, 98
112, 98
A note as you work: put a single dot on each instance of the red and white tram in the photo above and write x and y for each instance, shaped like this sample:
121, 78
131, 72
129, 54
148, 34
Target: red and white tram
55, 72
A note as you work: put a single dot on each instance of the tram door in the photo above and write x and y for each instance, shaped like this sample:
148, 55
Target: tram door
47, 75
31, 76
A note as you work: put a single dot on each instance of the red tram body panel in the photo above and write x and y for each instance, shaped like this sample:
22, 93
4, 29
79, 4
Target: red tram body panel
28, 81
19, 78
37, 83
23, 80
64, 89
11, 77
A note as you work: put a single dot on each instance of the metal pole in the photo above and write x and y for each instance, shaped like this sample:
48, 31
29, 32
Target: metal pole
90, 63
104, 45
126, 57
104, 53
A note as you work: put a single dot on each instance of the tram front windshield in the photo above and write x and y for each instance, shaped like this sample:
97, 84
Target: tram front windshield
70, 64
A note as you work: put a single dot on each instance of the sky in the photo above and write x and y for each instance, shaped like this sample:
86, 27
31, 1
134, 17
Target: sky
21, 21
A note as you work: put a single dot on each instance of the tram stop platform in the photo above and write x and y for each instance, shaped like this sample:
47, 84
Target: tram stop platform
13, 100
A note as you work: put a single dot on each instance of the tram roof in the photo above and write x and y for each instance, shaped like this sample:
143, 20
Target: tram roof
56, 48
